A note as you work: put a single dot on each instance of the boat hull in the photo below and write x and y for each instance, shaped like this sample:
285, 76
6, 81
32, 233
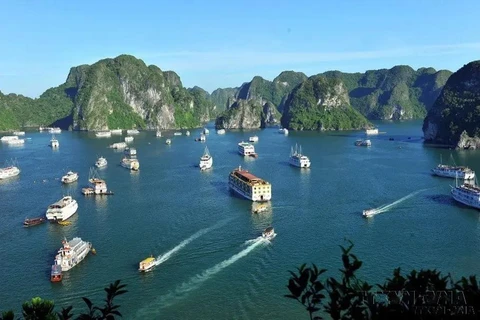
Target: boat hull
256, 198
460, 197
453, 174
9, 173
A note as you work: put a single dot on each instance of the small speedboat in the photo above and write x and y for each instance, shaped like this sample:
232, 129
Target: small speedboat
253, 139
147, 264
369, 212
268, 233
261, 208
168, 141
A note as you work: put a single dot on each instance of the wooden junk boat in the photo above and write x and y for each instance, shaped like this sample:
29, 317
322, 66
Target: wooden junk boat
33, 221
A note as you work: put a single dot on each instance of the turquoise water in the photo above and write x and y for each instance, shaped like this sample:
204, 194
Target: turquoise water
212, 266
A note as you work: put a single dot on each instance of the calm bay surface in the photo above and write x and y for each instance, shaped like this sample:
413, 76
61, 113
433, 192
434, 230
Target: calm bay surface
214, 271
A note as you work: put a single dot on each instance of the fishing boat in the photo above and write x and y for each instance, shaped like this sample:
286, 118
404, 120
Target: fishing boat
206, 161
54, 142
371, 131
221, 131
70, 177
131, 164
253, 139
101, 162
118, 145
56, 273
460, 172
8, 138
368, 213
72, 253
9, 172
116, 131
297, 159
133, 131
16, 142
103, 134
147, 264
33, 221
19, 133
96, 186
363, 143
269, 233
206, 131
130, 151
249, 186
168, 141
62, 209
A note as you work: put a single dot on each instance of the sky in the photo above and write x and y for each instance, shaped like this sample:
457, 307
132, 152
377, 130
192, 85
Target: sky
215, 44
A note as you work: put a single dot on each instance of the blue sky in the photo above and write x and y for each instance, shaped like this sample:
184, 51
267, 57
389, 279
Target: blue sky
224, 43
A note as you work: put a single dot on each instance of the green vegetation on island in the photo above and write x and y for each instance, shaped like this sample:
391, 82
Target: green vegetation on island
220, 96
454, 119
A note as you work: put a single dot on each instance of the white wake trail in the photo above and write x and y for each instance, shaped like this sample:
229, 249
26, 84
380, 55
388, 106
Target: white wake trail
167, 255
387, 207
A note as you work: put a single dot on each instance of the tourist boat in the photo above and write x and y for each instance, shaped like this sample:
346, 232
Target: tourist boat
269, 233
56, 273
98, 186
206, 131
158, 134
249, 186
9, 172
369, 212
19, 133
133, 131
116, 131
131, 164
253, 139
54, 142
130, 151
177, 134
118, 145
101, 162
443, 170
168, 141
8, 138
202, 137
371, 131
246, 149
297, 159
72, 253
103, 134
221, 131
55, 130
468, 194
187, 133
70, 177
128, 139
147, 264
33, 221
283, 131
62, 209
16, 142
363, 143
206, 161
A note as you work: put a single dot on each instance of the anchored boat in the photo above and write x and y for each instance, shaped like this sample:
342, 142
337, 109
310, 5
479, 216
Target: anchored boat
206, 161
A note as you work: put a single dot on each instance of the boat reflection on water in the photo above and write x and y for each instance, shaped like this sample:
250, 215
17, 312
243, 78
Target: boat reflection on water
261, 207
101, 201
261, 214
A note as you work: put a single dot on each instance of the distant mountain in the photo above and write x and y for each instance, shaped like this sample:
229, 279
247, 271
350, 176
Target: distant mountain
220, 97
321, 103
112, 93
454, 118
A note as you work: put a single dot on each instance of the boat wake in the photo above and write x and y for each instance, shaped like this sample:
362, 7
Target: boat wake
167, 255
387, 207
195, 281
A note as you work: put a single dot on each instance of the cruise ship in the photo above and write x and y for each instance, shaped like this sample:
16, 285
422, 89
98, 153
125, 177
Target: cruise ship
221, 131
130, 151
131, 164
70, 177
128, 139
16, 142
249, 186
297, 159
103, 134
119, 145
54, 142
443, 170
9, 172
253, 139
116, 131
246, 149
206, 161
62, 209
8, 138
371, 131
19, 133
55, 130
133, 131
72, 253
468, 194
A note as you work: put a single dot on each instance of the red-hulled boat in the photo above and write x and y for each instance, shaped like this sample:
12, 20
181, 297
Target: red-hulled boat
56, 274
33, 221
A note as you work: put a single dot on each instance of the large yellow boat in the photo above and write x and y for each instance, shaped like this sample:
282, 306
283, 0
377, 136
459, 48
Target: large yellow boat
147, 264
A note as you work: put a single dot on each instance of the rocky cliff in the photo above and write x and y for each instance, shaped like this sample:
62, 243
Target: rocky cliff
220, 97
454, 118
248, 114
321, 103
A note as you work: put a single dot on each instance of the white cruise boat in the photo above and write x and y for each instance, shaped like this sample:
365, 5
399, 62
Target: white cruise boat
16, 142
253, 139
249, 186
168, 141
128, 139
221, 131
269, 233
130, 151
8, 138
19, 133
131, 164
468, 194
54, 142
443, 170
177, 134
9, 172
206, 131
371, 131
158, 134
206, 161
103, 134
118, 145
133, 131
72, 253
187, 133
101, 162
246, 149
55, 130
62, 209
297, 159
116, 131
283, 131
70, 177
363, 143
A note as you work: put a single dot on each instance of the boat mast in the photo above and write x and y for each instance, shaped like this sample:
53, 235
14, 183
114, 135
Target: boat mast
300, 150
